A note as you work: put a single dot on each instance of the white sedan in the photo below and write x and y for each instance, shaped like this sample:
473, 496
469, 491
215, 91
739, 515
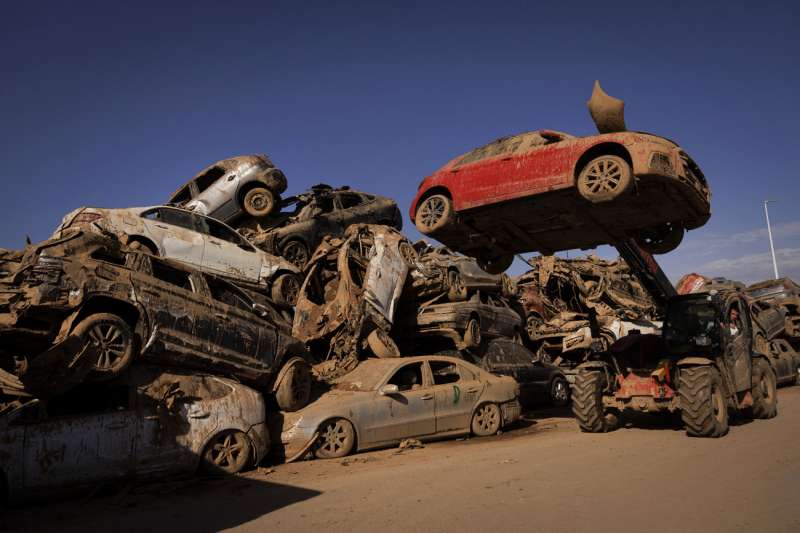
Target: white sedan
201, 241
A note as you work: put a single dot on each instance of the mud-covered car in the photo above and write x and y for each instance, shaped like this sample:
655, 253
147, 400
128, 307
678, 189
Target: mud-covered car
149, 423
198, 240
348, 300
384, 401
441, 271
228, 189
306, 219
82, 299
469, 324
539, 381
783, 293
548, 191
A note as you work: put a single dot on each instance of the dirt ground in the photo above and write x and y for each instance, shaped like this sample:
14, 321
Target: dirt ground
542, 476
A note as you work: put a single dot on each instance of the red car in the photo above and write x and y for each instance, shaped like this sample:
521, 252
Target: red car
548, 191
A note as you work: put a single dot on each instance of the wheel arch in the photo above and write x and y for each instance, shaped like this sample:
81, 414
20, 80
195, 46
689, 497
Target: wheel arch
356, 431
246, 187
436, 189
201, 450
146, 241
606, 148
134, 316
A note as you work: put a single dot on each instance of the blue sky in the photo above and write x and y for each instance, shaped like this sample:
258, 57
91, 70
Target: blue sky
115, 105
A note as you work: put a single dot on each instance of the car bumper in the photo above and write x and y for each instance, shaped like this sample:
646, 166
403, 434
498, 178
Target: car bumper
511, 412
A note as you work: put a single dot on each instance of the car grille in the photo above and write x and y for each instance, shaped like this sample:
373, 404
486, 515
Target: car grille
47, 270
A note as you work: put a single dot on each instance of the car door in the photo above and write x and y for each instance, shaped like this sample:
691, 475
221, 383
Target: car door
228, 253
410, 413
173, 231
456, 389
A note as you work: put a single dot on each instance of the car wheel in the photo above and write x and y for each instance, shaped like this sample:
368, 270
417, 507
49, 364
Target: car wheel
228, 452
661, 240
604, 179
704, 409
382, 344
456, 290
434, 213
336, 439
532, 325
486, 420
765, 394
472, 333
115, 342
296, 252
259, 202
294, 390
559, 391
408, 254
285, 289
496, 265
587, 403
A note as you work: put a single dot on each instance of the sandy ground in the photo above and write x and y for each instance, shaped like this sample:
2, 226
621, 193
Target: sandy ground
542, 476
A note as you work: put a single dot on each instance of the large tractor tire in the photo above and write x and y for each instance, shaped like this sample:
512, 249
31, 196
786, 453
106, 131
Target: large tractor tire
765, 390
704, 409
587, 403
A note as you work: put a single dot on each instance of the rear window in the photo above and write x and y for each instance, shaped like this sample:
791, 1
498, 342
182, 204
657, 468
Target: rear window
206, 180
173, 276
228, 294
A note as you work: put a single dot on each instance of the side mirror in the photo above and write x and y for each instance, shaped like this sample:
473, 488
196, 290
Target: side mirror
388, 390
260, 310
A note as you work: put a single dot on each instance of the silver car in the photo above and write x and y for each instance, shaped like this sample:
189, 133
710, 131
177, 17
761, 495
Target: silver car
229, 188
150, 423
191, 238
384, 401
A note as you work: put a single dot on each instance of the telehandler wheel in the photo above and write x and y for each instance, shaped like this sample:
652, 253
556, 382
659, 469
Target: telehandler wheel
704, 409
765, 398
587, 403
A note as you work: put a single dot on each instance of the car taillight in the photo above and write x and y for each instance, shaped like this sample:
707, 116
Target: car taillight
83, 218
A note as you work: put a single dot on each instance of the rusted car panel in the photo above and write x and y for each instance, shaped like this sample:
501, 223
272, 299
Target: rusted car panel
453, 320
783, 293
492, 201
384, 407
161, 311
151, 423
228, 189
306, 219
351, 289
197, 240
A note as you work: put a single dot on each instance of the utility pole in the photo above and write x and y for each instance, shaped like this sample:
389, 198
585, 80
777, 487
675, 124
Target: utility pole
769, 233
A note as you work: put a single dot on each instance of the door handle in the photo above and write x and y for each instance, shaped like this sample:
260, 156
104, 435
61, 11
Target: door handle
473, 390
117, 426
161, 226
426, 397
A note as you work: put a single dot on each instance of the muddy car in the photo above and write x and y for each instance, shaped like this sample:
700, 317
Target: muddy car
85, 300
470, 324
228, 189
348, 300
149, 423
440, 271
783, 293
306, 219
384, 401
194, 239
493, 201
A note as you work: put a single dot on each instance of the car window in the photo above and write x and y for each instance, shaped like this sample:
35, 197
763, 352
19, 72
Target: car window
103, 254
183, 195
218, 230
348, 200
226, 293
207, 179
408, 377
168, 274
444, 372
173, 217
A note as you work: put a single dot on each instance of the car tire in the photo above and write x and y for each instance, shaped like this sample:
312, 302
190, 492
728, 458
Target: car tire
486, 420
661, 240
456, 290
497, 264
704, 409
434, 214
115, 340
336, 439
532, 325
296, 252
293, 392
408, 254
285, 289
559, 391
228, 452
605, 179
765, 391
382, 344
587, 403
259, 202
472, 333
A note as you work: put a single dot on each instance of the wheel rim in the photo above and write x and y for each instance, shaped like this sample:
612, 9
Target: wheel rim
111, 342
431, 211
604, 175
487, 418
408, 254
227, 451
475, 331
533, 324
455, 282
296, 254
766, 390
717, 404
334, 437
259, 201
560, 391
290, 289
